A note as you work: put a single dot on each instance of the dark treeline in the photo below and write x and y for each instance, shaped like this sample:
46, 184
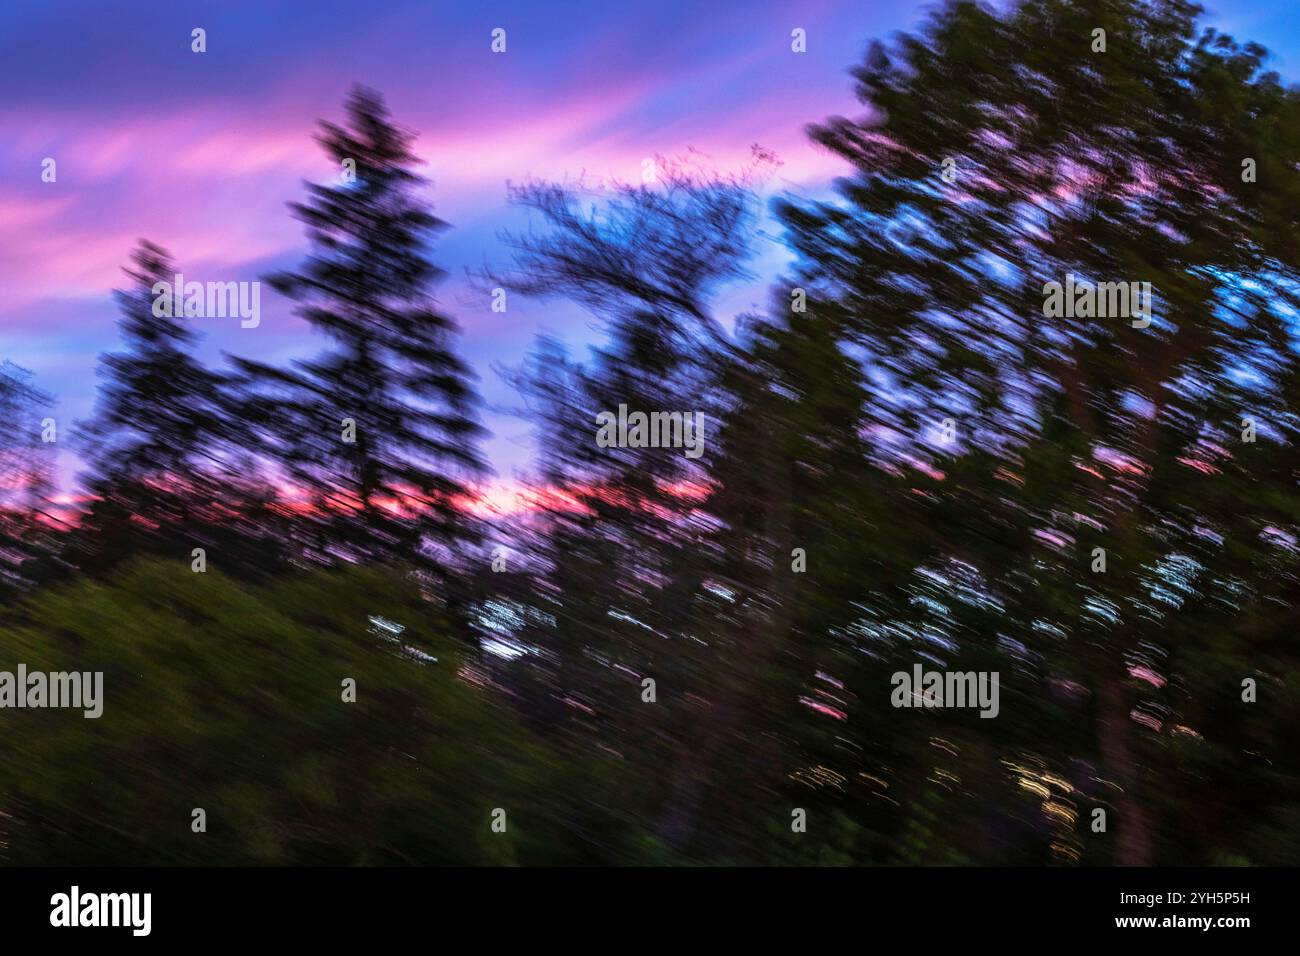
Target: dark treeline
909, 458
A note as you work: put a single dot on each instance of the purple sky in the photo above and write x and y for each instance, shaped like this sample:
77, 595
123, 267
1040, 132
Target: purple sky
200, 152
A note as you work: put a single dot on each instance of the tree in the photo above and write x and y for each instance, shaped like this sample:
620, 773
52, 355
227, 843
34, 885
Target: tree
1002, 154
378, 432
620, 563
26, 480
150, 445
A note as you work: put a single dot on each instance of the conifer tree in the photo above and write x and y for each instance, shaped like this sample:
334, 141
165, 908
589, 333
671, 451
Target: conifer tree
150, 445
379, 430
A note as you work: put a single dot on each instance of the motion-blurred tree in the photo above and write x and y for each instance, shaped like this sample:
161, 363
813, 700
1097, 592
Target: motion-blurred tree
379, 430
27, 544
623, 564
1005, 151
150, 445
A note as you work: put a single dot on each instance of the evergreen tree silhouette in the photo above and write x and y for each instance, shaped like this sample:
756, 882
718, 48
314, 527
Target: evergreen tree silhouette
150, 445
378, 431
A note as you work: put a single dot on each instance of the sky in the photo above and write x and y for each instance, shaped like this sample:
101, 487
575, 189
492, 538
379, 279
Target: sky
200, 152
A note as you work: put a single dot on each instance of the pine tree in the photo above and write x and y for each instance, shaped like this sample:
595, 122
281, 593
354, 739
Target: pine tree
378, 431
150, 444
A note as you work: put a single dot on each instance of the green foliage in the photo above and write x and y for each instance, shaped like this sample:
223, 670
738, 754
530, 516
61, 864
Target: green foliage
229, 698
